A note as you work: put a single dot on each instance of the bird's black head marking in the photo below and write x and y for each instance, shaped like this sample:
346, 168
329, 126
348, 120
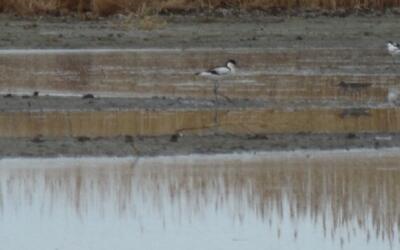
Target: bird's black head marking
231, 61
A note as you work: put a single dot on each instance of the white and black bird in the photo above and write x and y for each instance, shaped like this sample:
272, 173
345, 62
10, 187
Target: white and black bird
228, 69
393, 48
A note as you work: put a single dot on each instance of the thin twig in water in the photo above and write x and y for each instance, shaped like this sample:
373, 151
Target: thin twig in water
226, 98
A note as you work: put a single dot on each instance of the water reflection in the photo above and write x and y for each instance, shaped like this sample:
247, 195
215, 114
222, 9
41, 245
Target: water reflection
308, 201
275, 119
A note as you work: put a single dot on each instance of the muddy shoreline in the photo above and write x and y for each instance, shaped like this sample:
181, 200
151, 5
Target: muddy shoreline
190, 144
361, 33
88, 102
231, 31
207, 142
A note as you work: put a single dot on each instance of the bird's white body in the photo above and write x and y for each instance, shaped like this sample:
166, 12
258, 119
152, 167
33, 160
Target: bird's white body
393, 95
229, 68
393, 48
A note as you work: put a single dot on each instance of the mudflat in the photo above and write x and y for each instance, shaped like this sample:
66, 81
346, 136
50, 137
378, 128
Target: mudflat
191, 144
336, 64
215, 31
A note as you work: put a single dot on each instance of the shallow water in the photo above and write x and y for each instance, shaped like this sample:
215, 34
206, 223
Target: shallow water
301, 200
166, 122
272, 74
310, 78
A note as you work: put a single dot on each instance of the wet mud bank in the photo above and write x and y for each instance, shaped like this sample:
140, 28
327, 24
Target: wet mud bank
191, 144
201, 31
48, 126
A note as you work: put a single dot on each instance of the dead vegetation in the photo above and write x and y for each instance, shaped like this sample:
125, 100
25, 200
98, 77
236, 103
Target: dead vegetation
107, 7
151, 23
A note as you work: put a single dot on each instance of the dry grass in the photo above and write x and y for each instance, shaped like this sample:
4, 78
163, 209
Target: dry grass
106, 7
151, 23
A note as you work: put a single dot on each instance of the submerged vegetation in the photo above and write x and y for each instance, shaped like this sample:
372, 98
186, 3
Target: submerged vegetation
107, 7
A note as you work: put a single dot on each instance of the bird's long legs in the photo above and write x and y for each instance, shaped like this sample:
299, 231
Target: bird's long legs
216, 94
216, 86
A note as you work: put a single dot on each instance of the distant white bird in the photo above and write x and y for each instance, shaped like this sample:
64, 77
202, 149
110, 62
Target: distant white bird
393, 95
393, 48
228, 69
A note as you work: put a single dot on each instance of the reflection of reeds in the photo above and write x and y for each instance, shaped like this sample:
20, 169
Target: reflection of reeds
112, 6
336, 194
143, 122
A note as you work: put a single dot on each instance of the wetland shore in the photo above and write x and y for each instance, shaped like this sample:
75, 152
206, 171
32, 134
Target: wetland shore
297, 33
